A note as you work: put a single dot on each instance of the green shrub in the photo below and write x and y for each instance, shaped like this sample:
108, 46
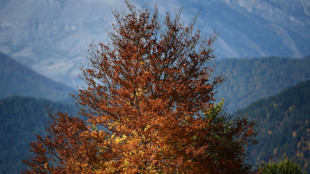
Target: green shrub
283, 167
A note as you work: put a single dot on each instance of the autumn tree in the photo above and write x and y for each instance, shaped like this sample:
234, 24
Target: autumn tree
149, 107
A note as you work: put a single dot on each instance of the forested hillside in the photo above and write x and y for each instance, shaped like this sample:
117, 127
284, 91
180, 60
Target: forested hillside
17, 79
283, 124
21, 118
248, 80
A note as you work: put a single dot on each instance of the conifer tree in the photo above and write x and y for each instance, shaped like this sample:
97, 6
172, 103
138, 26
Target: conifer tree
149, 107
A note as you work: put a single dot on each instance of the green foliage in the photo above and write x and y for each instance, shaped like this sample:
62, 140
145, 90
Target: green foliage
283, 167
21, 118
248, 80
213, 112
283, 126
215, 115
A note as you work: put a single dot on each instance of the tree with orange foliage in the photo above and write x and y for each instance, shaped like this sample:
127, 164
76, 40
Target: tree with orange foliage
149, 107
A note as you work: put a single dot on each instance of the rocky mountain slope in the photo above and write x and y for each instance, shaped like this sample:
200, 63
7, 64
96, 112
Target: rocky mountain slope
51, 36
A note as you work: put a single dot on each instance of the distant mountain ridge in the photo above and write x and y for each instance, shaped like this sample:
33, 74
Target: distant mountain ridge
52, 36
283, 125
248, 80
17, 79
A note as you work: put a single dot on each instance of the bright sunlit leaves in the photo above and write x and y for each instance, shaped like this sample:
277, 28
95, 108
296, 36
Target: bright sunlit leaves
148, 107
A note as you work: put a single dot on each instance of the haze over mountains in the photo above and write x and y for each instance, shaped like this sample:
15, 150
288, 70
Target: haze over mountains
17, 79
51, 36
248, 80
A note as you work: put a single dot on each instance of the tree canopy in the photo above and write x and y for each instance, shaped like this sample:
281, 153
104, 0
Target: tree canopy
149, 107
284, 167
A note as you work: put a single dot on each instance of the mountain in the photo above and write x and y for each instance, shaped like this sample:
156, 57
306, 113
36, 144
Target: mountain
283, 125
51, 36
17, 79
248, 80
21, 118
268, 27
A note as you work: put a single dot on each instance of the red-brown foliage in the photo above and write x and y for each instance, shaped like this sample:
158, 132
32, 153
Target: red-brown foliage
149, 106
